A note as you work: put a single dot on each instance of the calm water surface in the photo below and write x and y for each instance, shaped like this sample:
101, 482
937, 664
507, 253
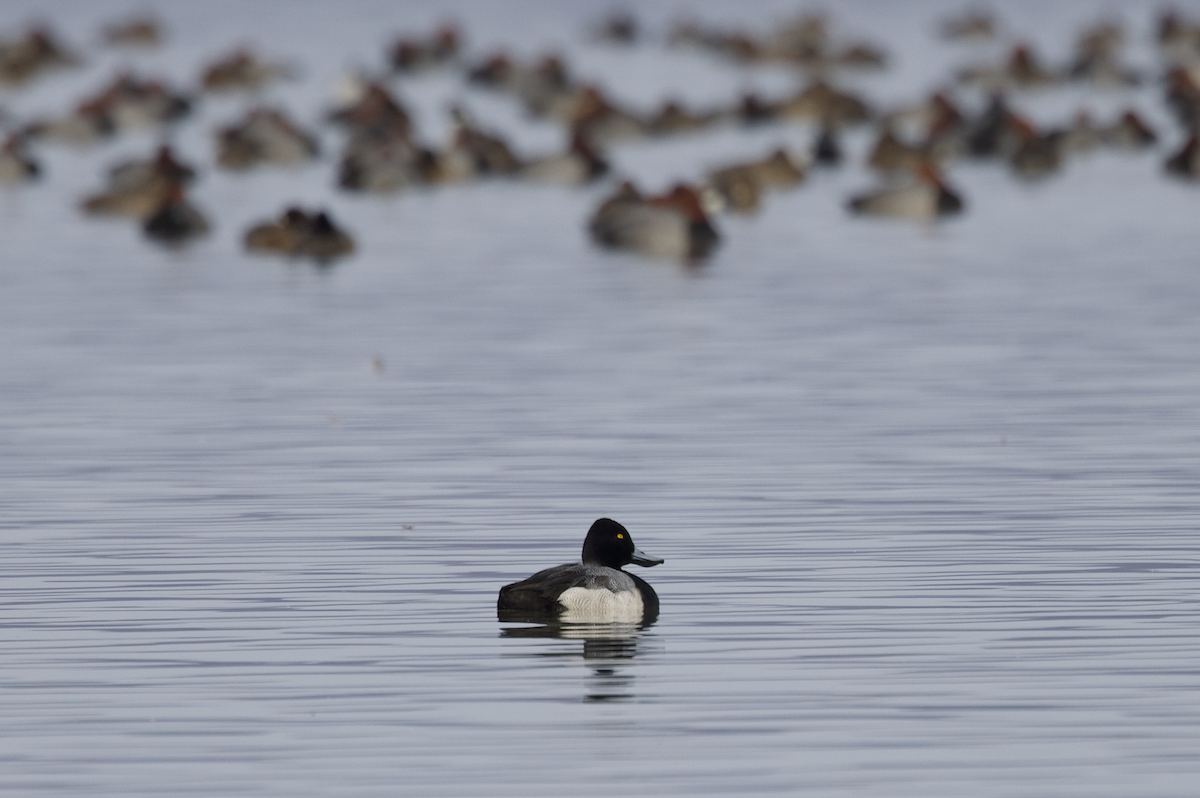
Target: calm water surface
927, 496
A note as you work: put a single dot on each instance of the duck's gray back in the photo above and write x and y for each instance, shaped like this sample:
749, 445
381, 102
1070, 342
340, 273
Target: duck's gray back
541, 591
594, 577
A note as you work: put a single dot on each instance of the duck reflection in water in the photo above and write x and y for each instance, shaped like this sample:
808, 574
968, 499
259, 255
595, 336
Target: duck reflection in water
606, 647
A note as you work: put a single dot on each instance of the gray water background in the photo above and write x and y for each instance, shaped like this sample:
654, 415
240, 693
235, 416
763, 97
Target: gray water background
927, 495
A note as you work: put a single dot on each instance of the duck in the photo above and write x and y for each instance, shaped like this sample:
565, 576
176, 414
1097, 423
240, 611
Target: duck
1186, 162
1128, 133
324, 241
175, 220
1183, 96
971, 25
826, 149
135, 32
594, 590
137, 200
1096, 58
672, 225
890, 154
600, 120
132, 103
546, 88
580, 164
242, 70
926, 197
414, 54
16, 166
300, 234
1022, 70
754, 110
672, 118
739, 188
620, 28
369, 109
164, 166
266, 135
281, 236
137, 187
822, 103
37, 51
1036, 154
474, 152
990, 134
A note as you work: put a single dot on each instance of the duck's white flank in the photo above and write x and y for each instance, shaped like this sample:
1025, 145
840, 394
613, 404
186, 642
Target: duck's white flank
600, 605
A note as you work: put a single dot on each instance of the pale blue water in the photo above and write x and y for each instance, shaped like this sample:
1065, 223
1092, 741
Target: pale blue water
927, 496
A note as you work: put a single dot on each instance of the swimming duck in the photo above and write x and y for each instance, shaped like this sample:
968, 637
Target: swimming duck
16, 166
176, 220
826, 149
163, 166
926, 197
1186, 162
1036, 154
369, 110
1178, 38
1183, 96
595, 590
242, 70
302, 235
672, 117
971, 25
1096, 58
733, 189
822, 103
547, 89
1128, 133
578, 165
620, 27
135, 32
369, 164
324, 241
753, 110
991, 133
22, 59
281, 236
266, 135
137, 187
738, 188
84, 126
590, 112
473, 152
672, 225
1023, 70
413, 54
130, 103
890, 154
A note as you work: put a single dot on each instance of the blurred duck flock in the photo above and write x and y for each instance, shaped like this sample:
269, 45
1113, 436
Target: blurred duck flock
1128, 87
327, 324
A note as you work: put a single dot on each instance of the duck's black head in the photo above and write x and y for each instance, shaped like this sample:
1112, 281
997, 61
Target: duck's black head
609, 544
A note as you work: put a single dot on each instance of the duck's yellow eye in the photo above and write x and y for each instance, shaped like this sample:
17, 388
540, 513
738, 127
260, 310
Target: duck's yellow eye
620, 536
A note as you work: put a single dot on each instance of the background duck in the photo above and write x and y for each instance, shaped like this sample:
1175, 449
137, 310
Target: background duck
672, 225
580, 164
176, 220
926, 197
16, 165
1186, 162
